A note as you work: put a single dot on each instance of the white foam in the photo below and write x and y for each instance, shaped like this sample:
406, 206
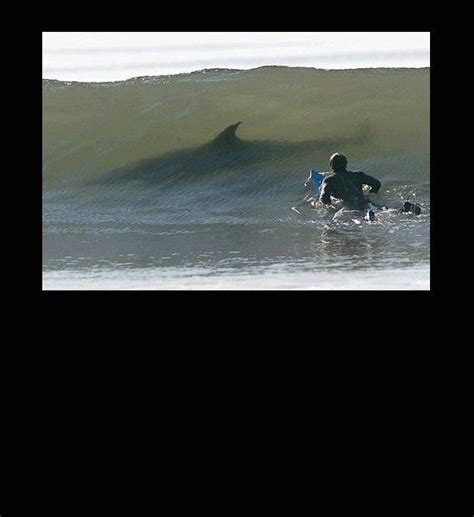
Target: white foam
268, 278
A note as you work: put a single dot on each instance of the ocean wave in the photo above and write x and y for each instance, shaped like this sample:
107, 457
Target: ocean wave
256, 129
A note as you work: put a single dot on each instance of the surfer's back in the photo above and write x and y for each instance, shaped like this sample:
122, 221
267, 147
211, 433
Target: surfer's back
347, 186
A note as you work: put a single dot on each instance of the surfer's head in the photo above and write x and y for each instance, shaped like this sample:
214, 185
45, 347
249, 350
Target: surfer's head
338, 162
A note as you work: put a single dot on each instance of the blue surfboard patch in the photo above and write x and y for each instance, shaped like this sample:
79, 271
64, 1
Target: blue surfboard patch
317, 179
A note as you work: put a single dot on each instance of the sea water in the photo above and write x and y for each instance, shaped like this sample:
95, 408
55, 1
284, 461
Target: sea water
138, 193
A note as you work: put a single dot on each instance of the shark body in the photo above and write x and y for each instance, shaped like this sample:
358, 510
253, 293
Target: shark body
225, 151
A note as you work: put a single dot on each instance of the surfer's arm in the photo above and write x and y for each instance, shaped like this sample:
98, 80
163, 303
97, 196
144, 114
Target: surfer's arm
325, 195
373, 183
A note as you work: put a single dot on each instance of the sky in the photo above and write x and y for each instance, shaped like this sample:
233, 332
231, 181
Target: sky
113, 56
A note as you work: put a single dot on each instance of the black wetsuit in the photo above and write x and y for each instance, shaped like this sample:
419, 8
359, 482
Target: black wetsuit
347, 186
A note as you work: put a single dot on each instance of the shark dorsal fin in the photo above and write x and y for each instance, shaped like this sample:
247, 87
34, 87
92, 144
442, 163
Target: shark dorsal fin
227, 136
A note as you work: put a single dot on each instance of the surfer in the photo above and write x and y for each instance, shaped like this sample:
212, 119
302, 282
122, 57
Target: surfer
346, 185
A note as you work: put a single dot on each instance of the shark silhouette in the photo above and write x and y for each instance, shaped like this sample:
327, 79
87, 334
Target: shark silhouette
225, 151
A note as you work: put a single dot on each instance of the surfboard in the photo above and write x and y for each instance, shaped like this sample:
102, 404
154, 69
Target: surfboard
317, 179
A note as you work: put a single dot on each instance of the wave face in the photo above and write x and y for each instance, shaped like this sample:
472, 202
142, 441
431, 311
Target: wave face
127, 156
